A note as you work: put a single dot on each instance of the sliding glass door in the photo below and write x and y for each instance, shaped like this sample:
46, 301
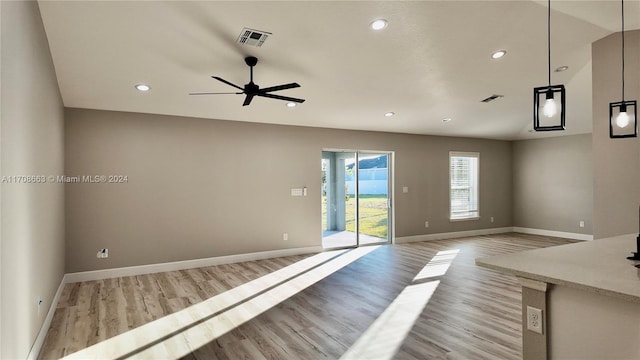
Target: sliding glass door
355, 198
373, 198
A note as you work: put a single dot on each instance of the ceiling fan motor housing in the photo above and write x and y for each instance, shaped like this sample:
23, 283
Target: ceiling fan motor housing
251, 60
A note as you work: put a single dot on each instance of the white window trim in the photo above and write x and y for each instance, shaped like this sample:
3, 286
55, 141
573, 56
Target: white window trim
465, 154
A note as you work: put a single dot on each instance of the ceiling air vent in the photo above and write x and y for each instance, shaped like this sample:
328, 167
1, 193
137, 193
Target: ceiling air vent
253, 37
491, 98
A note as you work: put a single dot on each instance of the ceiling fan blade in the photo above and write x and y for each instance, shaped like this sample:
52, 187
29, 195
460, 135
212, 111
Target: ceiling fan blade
228, 83
248, 99
280, 87
285, 98
214, 93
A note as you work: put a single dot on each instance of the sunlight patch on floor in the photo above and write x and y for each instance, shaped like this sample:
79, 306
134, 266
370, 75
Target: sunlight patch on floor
181, 333
147, 334
385, 336
438, 265
201, 334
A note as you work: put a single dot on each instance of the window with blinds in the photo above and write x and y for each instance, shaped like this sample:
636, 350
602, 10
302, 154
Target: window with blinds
464, 170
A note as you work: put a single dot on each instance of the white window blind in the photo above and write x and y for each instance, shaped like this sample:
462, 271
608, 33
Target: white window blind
464, 170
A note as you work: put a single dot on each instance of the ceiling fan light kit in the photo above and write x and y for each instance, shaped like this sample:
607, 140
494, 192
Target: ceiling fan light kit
251, 90
623, 115
549, 102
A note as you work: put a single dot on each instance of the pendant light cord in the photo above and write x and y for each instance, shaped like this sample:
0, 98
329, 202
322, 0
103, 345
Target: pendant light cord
549, 41
622, 1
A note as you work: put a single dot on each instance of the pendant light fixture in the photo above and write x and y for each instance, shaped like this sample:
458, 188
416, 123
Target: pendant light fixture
549, 101
623, 119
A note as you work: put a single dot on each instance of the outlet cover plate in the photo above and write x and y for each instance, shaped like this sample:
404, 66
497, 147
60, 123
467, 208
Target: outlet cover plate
534, 319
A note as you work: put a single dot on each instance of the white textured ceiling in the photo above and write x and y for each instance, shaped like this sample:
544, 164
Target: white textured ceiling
431, 62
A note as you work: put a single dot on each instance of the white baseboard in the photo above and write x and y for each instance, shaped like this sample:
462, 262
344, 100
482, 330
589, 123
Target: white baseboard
452, 235
187, 264
561, 234
459, 234
42, 334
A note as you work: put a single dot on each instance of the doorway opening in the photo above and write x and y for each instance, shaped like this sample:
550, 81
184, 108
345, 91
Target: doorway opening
356, 198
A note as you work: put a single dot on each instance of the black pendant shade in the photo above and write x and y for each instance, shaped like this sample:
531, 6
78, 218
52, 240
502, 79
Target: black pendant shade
623, 119
623, 115
549, 108
549, 102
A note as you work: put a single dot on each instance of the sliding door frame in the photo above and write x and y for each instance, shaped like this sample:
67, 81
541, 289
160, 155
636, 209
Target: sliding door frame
391, 233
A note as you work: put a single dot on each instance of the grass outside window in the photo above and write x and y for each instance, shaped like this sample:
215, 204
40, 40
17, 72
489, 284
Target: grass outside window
373, 215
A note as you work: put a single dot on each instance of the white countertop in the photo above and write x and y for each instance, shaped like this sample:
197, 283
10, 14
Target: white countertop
598, 266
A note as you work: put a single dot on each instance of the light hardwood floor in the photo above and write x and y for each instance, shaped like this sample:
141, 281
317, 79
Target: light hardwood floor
474, 313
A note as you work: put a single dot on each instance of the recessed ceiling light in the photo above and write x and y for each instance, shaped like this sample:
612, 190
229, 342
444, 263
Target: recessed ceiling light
389, 114
379, 24
561, 68
291, 104
446, 120
498, 54
143, 87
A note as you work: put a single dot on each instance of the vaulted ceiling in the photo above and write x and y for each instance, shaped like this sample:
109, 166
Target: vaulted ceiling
433, 60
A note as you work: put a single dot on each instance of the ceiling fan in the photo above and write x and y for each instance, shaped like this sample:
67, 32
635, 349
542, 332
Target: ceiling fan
251, 89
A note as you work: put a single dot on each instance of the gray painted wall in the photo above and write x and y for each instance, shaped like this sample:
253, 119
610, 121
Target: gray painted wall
553, 184
200, 188
32, 143
616, 162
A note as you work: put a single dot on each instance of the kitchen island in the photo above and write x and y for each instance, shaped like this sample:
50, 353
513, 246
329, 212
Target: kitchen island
589, 294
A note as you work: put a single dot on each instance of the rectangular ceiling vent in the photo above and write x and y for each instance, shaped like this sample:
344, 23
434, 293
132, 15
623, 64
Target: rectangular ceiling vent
253, 37
491, 98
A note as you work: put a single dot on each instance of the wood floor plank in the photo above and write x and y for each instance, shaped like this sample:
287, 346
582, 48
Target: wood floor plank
474, 313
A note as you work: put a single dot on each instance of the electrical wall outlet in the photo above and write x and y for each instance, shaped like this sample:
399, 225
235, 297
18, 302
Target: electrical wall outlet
581, 223
285, 236
492, 219
426, 224
102, 254
534, 319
